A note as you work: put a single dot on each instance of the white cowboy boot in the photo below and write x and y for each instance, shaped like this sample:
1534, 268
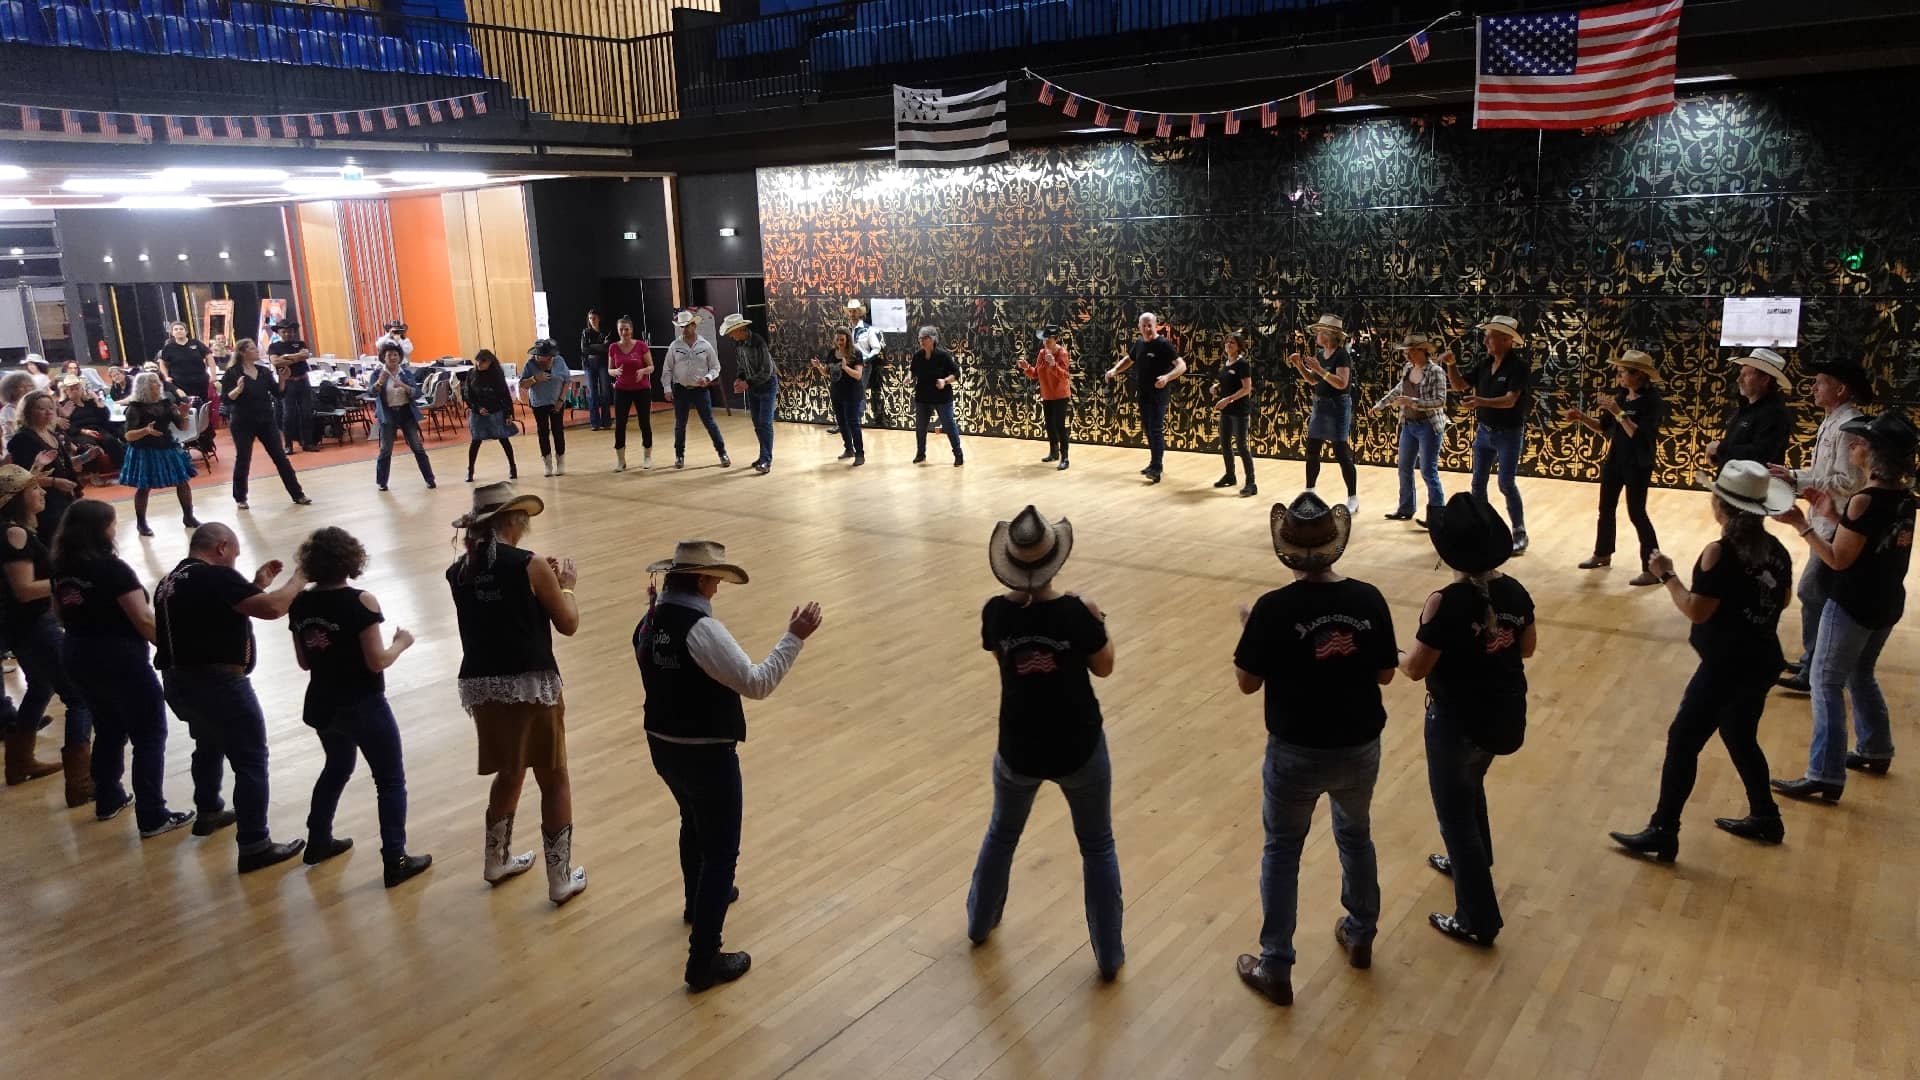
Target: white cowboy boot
547, 460
620, 460
500, 863
646, 459
559, 464
564, 880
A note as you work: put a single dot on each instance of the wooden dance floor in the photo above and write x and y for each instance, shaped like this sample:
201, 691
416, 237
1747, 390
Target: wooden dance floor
867, 794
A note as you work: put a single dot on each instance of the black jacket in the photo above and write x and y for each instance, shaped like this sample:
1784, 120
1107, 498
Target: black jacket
1758, 431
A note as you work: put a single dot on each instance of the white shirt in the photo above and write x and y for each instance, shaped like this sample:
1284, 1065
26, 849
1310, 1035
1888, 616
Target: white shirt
688, 364
867, 341
1830, 471
726, 663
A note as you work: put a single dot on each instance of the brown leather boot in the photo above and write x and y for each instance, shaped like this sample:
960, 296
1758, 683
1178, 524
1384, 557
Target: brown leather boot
78, 762
21, 765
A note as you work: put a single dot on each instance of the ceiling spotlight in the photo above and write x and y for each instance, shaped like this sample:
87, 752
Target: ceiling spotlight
124, 185
12, 172
143, 256
164, 202
1090, 130
183, 256
224, 255
268, 253
232, 176
16, 251
889, 146
106, 258
729, 231
450, 178
1691, 79
1353, 108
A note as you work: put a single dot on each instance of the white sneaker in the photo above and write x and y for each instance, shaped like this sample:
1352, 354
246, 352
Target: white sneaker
1353, 504
548, 463
619, 461
560, 465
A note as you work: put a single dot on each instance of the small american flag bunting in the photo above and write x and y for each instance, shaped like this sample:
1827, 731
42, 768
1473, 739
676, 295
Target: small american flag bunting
1102, 116
203, 127
390, 118
1132, 125
70, 121
1197, 126
235, 130
1382, 71
1419, 46
1072, 107
413, 116
366, 121
1269, 116
29, 119
433, 112
143, 127
1306, 104
1046, 92
1231, 125
1164, 129
454, 107
479, 104
1343, 89
174, 134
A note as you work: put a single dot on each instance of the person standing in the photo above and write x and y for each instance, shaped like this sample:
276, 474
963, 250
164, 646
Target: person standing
289, 356
183, 362
692, 366
1233, 393
695, 674
1630, 422
871, 344
1740, 584
1762, 425
204, 648
758, 378
1321, 647
336, 638
250, 389
1330, 370
1047, 644
29, 627
396, 405
593, 356
1496, 390
489, 410
1052, 369
154, 458
846, 382
38, 444
1839, 390
396, 335
1871, 549
631, 363
1157, 364
934, 373
544, 385
1421, 395
509, 601
1474, 639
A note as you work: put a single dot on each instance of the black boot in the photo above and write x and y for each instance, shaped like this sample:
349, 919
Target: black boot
320, 849
1861, 763
405, 866
1767, 829
1659, 841
686, 914
1226, 481
722, 968
1806, 788
270, 855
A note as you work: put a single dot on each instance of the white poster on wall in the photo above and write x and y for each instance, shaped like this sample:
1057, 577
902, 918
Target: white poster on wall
541, 327
1772, 321
889, 316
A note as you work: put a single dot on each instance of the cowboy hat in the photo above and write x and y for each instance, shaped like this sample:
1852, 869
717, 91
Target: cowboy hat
735, 321
1746, 485
1635, 360
543, 347
1891, 429
151, 365
1333, 324
686, 318
704, 557
13, 481
1765, 360
493, 500
1507, 325
1308, 535
398, 326
1470, 536
286, 322
1415, 341
1850, 374
1026, 552
1049, 330
856, 305
69, 380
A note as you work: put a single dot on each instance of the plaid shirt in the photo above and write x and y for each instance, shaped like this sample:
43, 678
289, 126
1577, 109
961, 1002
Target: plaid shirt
1427, 396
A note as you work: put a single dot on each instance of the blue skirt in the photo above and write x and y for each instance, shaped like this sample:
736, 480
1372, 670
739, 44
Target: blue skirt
1332, 418
156, 468
493, 426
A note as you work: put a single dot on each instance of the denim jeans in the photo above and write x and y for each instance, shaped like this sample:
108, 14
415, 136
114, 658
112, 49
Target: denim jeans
924, 411
400, 421
41, 650
1457, 779
1727, 698
636, 401
1843, 665
364, 727
1816, 581
760, 402
1153, 420
124, 694
599, 395
1419, 445
1233, 437
1504, 445
228, 728
1293, 779
847, 405
245, 431
697, 398
705, 781
1089, 791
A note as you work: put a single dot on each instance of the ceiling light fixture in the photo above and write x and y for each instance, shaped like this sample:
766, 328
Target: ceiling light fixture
1691, 79
164, 202
143, 256
1352, 108
124, 185
231, 176
106, 258
183, 256
1090, 130
729, 231
268, 253
12, 172
442, 177
224, 255
889, 146
327, 185
16, 251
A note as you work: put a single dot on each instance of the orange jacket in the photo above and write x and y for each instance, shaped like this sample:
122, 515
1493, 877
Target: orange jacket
1050, 367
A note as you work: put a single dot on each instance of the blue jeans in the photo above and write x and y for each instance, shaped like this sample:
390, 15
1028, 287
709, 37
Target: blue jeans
404, 423
847, 406
1843, 664
599, 395
760, 402
1153, 419
1504, 444
924, 411
1815, 583
705, 782
1293, 779
1419, 444
697, 398
41, 650
124, 694
1089, 791
228, 728
1457, 779
362, 727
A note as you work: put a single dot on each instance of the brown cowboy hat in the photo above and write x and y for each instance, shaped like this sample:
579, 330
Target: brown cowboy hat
1309, 535
1028, 551
493, 500
704, 557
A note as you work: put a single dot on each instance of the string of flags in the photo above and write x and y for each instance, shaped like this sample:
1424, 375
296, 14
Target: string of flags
1380, 68
145, 127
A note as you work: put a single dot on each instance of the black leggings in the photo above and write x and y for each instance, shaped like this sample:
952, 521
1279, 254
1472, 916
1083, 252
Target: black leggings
473, 454
550, 419
1729, 701
1635, 480
1055, 410
1342, 453
636, 401
1233, 433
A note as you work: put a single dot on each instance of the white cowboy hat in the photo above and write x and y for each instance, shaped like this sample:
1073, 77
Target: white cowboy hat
1746, 485
704, 557
493, 500
1415, 341
1635, 360
686, 318
733, 322
1766, 360
1330, 323
1507, 325
1026, 552
856, 305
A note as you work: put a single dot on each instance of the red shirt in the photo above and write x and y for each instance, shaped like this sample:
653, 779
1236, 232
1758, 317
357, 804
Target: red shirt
1050, 367
627, 365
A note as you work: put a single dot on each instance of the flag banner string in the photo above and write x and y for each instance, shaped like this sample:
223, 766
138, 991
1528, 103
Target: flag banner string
120, 123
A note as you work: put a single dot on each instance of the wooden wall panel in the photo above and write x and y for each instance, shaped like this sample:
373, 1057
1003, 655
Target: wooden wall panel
491, 270
461, 272
422, 257
325, 324
593, 75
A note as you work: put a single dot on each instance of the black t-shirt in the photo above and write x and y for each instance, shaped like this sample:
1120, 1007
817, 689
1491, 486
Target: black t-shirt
21, 615
1320, 647
255, 402
326, 625
288, 348
87, 599
195, 620
1873, 590
1742, 629
1151, 359
1647, 411
926, 369
1488, 383
1333, 362
1049, 718
1232, 377
157, 413
1481, 678
187, 366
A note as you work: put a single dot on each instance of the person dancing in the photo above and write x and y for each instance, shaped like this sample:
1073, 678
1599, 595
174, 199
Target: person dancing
1631, 424
758, 378
250, 388
692, 366
1496, 391
1233, 400
846, 381
1158, 364
871, 344
934, 373
489, 409
289, 356
544, 386
1331, 421
34, 633
1051, 368
1762, 424
154, 459
1421, 395
631, 364
1839, 390
594, 343
396, 406
1740, 584
40, 445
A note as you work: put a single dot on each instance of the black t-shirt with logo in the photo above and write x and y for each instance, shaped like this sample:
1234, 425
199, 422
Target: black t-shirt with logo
1742, 629
87, 599
1481, 678
1333, 362
1232, 377
1152, 359
288, 348
21, 615
326, 625
1873, 590
1647, 411
195, 620
1049, 718
1320, 647
1488, 383
255, 402
187, 366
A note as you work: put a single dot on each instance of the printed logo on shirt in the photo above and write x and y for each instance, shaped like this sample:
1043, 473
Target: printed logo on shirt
1034, 655
664, 660
316, 635
1334, 643
1500, 640
70, 592
1035, 662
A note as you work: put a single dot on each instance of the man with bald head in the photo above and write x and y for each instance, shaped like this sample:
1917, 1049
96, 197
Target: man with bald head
203, 630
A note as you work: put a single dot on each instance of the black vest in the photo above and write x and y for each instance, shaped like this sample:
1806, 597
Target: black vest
683, 701
503, 628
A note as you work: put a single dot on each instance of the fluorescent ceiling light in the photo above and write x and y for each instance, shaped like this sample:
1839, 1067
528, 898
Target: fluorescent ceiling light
1702, 78
16, 251
433, 176
125, 185
12, 172
106, 258
234, 176
15, 204
1090, 130
1352, 108
143, 256
728, 231
268, 253
183, 256
328, 185
889, 146
225, 255
164, 202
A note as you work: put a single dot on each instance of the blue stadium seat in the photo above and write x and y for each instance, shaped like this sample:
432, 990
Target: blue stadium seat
246, 13
972, 33
429, 59
363, 24
17, 25
223, 41
316, 49
393, 54
1047, 21
355, 53
129, 33
77, 28
178, 37
150, 9
1090, 18
730, 42
201, 11
465, 60
1008, 28
326, 21
893, 45
871, 15
826, 53
933, 37
276, 45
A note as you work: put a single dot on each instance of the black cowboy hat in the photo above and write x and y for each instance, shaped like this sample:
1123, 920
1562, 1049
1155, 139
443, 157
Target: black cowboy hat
1470, 535
398, 326
1851, 375
287, 322
1049, 330
1891, 429
543, 347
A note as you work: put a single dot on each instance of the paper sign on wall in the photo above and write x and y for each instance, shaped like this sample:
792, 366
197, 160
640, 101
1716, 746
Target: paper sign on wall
889, 316
542, 327
1772, 321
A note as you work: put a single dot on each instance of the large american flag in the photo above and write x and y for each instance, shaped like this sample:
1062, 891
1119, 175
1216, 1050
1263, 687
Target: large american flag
1576, 69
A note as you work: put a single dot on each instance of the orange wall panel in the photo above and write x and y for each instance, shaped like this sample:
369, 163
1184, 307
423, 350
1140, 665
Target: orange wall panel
421, 256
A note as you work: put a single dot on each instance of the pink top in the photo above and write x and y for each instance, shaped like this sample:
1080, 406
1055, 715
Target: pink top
627, 365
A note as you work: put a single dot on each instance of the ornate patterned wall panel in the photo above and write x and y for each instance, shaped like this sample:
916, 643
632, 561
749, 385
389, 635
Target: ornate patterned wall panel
1596, 241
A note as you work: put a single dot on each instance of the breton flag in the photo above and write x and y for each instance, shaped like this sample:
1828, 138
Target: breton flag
931, 128
1420, 47
1382, 71
1575, 69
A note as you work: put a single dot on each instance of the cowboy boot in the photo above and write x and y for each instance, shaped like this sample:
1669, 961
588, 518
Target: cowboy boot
22, 766
646, 458
500, 863
620, 460
564, 880
78, 763
546, 463
559, 464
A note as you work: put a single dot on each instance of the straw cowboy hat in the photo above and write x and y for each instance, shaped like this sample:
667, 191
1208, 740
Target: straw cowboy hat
686, 318
1746, 485
1415, 341
707, 558
1505, 324
1766, 360
1026, 552
1635, 360
733, 322
69, 380
1852, 375
13, 481
1470, 536
493, 500
1308, 535
856, 305
1332, 324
